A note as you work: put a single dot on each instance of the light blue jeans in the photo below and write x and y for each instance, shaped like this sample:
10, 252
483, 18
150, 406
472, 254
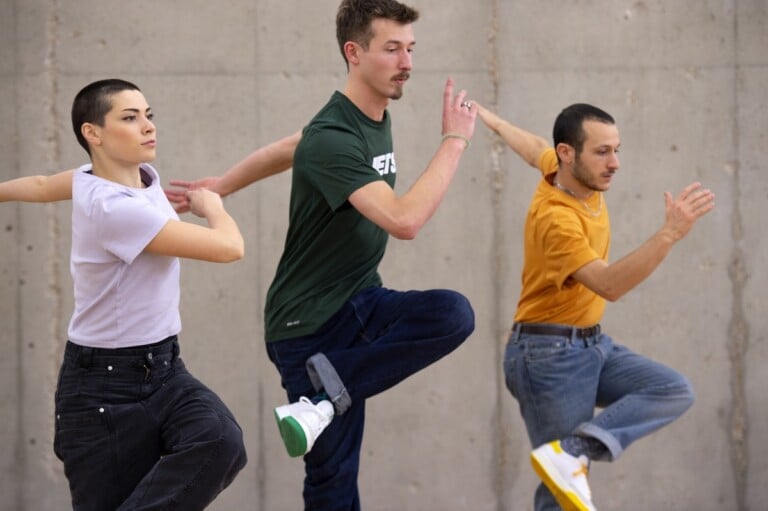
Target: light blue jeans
558, 382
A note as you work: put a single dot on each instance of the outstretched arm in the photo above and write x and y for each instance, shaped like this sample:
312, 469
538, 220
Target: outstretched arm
527, 145
220, 242
612, 281
56, 187
263, 162
403, 217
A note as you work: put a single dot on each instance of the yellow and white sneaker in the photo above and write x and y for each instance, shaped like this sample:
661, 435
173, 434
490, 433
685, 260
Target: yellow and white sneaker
564, 475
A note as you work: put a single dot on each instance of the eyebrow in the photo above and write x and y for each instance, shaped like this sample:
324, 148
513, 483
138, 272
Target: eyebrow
136, 110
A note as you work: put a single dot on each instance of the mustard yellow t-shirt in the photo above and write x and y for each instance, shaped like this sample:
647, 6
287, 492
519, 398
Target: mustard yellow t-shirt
562, 234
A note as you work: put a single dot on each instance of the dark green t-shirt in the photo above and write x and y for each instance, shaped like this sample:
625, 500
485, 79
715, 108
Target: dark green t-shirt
331, 251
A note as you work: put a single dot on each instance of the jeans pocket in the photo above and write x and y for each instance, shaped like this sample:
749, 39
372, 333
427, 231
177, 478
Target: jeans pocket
544, 347
82, 438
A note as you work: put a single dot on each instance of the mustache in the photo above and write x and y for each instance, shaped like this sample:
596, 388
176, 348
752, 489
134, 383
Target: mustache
402, 76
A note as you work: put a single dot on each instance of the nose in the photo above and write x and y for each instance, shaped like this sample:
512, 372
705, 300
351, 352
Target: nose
149, 126
614, 162
406, 61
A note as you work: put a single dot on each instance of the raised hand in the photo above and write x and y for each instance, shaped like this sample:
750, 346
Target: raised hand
202, 202
178, 197
459, 113
682, 212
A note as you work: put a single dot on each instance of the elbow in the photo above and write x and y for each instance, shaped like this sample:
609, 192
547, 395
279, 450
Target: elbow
231, 253
405, 230
405, 235
611, 295
236, 253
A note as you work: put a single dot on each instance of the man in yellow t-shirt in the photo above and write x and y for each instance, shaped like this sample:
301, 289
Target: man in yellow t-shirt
558, 363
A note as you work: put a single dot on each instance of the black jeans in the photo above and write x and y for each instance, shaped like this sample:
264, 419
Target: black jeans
137, 431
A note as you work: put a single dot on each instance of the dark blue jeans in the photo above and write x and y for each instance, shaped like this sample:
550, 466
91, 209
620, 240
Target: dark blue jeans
376, 340
136, 431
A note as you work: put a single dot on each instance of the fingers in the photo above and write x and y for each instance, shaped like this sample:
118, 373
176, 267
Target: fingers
448, 93
689, 190
180, 183
668, 199
458, 112
699, 199
693, 202
456, 102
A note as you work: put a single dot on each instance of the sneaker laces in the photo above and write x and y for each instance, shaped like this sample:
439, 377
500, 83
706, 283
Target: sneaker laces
580, 476
313, 418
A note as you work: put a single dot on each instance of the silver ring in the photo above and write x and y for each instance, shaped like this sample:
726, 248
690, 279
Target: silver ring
467, 104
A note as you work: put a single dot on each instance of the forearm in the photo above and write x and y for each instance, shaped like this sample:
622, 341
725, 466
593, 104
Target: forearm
225, 237
527, 145
264, 162
617, 279
421, 201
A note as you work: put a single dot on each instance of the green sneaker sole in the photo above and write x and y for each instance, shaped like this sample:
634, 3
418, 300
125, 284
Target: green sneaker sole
293, 436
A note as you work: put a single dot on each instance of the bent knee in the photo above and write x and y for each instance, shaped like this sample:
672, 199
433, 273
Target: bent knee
683, 394
459, 315
687, 394
232, 443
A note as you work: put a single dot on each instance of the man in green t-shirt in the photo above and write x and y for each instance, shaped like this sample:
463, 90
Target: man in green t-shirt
335, 334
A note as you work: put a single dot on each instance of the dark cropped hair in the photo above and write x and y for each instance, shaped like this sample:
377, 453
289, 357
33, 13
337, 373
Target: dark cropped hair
353, 20
93, 102
569, 125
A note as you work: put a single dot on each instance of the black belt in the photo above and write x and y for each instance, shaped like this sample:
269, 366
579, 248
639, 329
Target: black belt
562, 331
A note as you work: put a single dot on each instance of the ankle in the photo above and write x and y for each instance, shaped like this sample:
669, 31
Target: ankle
576, 446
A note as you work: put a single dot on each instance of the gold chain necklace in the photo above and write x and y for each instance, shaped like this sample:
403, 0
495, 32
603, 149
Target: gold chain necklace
583, 202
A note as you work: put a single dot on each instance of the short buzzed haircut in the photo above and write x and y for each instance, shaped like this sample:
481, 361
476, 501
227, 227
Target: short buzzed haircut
93, 102
569, 125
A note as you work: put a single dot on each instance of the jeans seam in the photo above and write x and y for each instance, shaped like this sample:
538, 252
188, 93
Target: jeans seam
217, 447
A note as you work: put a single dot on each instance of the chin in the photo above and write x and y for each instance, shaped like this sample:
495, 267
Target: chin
396, 94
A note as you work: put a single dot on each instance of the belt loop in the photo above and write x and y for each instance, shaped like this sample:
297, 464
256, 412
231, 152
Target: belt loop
515, 334
85, 357
175, 350
574, 336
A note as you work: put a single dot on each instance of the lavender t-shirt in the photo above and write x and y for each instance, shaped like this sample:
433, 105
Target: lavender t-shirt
123, 295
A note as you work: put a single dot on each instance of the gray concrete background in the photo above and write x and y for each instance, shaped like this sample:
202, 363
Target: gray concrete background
686, 81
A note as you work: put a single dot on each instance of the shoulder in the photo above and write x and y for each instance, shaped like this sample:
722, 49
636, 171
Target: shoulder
547, 162
328, 140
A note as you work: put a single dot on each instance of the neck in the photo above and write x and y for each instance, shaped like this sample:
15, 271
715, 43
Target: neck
126, 175
570, 189
371, 103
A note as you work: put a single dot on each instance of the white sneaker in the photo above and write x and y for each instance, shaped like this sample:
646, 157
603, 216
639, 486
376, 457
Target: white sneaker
300, 424
564, 475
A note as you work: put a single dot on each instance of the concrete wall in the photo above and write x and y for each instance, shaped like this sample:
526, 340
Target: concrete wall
686, 81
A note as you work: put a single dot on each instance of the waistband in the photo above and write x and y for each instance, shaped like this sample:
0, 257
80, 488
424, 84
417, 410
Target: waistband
84, 356
557, 330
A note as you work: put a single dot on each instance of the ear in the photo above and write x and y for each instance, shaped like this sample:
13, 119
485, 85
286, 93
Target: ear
566, 152
92, 133
352, 52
